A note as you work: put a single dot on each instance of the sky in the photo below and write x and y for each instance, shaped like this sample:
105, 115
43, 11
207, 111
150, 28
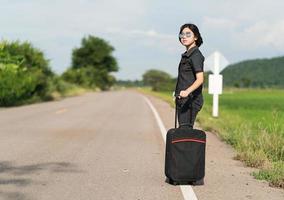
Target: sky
144, 32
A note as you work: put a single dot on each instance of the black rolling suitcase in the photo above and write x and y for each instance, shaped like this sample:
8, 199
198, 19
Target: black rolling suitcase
185, 155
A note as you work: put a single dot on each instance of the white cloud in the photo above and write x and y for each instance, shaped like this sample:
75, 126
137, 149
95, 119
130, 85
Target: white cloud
149, 38
265, 33
69, 16
235, 35
262, 34
140, 33
217, 23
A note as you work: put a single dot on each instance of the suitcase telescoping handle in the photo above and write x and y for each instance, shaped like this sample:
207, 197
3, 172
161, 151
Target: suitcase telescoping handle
176, 107
190, 96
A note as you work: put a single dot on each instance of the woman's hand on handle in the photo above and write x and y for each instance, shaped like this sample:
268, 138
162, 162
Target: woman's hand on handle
183, 94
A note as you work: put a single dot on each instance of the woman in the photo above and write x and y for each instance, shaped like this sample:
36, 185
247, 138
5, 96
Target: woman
190, 76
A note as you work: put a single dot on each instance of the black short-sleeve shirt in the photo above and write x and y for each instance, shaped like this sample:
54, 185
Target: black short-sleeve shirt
192, 62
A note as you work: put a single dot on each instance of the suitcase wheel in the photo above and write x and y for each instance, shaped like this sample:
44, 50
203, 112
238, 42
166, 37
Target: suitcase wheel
171, 181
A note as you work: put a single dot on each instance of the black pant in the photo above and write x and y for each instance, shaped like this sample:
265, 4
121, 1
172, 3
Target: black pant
186, 115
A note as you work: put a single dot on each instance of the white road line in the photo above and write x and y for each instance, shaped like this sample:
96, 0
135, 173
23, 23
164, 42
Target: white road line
187, 191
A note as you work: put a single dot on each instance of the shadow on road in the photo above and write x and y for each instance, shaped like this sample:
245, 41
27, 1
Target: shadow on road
10, 169
14, 196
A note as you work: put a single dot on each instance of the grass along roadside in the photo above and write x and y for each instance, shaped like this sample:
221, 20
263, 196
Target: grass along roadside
74, 91
252, 121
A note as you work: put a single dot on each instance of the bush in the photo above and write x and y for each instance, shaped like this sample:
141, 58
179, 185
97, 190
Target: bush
16, 84
25, 55
23, 63
80, 76
25, 73
158, 80
89, 77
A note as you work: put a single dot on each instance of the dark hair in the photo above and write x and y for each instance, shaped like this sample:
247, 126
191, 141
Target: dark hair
195, 31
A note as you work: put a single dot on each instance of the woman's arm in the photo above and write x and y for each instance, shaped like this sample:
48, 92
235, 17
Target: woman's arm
199, 80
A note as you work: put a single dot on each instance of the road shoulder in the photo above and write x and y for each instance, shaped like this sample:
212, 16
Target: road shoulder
225, 177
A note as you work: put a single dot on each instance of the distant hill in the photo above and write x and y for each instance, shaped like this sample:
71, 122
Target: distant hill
255, 73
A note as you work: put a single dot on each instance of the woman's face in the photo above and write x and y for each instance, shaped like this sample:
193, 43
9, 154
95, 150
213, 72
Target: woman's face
187, 37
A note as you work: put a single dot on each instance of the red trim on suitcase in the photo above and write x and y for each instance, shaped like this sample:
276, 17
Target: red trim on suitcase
188, 140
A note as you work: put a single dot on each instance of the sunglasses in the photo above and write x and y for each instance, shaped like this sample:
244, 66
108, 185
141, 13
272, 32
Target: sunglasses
187, 34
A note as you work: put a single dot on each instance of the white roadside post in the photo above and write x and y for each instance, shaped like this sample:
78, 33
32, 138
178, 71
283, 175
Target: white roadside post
215, 84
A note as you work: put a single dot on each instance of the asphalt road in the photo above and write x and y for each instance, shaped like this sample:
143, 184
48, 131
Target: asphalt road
97, 146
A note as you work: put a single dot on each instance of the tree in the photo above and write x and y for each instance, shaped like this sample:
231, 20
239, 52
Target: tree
92, 62
158, 80
255, 73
